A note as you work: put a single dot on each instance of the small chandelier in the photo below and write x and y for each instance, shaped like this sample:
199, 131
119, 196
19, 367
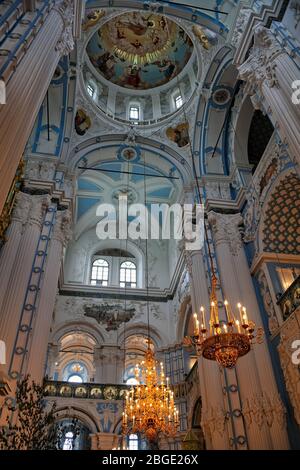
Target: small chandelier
149, 405
223, 342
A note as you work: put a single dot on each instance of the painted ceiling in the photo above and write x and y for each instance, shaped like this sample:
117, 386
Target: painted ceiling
139, 50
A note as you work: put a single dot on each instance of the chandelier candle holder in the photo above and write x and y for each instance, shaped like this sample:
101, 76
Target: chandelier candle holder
223, 341
149, 406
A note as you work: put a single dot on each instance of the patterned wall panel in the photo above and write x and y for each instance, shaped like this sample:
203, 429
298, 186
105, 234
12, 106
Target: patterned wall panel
281, 233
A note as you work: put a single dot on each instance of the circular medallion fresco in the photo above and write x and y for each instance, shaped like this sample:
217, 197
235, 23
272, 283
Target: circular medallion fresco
139, 50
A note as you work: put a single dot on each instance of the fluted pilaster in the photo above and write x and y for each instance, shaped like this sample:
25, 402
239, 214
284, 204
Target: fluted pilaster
27, 88
213, 403
61, 234
255, 374
269, 72
20, 272
14, 233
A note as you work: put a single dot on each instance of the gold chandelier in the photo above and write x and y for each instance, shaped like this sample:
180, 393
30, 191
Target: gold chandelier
149, 405
224, 342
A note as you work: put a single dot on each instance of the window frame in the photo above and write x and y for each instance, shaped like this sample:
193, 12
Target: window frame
134, 440
90, 90
177, 97
137, 108
134, 286
101, 269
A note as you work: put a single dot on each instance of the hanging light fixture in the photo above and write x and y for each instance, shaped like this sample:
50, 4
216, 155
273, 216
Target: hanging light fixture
149, 407
223, 341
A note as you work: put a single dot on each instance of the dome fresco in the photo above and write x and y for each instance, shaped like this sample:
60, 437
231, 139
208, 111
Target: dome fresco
139, 50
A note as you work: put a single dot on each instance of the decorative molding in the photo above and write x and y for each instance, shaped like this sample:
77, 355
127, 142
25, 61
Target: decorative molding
241, 26
62, 228
66, 44
226, 229
271, 165
38, 208
260, 68
213, 420
290, 331
262, 409
22, 208
268, 303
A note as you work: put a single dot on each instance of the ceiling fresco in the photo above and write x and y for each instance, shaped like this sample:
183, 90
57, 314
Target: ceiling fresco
139, 50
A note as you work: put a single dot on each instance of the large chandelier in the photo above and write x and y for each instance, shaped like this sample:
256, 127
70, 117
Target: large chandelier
223, 341
149, 405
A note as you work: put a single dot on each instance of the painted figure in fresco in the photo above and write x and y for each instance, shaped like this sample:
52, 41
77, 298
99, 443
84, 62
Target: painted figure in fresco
92, 18
133, 78
82, 122
167, 67
106, 64
139, 50
179, 134
206, 38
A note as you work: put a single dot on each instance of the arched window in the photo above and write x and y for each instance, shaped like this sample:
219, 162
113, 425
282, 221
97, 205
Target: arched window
133, 442
75, 372
99, 275
128, 274
90, 90
134, 112
132, 381
68, 442
75, 378
178, 101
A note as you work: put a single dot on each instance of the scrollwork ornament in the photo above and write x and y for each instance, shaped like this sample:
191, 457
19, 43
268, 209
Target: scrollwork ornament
66, 43
260, 67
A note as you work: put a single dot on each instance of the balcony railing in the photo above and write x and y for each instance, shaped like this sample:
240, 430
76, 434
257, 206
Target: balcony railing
91, 390
53, 388
290, 300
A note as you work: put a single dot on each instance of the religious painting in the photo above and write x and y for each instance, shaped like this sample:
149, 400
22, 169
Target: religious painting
92, 17
206, 37
140, 50
112, 316
82, 122
179, 134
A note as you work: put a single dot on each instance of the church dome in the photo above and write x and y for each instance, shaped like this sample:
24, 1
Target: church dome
139, 50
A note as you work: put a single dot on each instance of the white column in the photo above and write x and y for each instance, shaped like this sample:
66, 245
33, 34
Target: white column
156, 106
213, 408
18, 280
269, 72
43, 317
104, 441
13, 235
109, 362
52, 358
27, 88
111, 101
255, 374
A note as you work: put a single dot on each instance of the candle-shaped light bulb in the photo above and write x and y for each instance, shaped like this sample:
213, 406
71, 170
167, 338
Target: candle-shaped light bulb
238, 326
226, 310
196, 330
245, 316
203, 318
240, 311
225, 327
